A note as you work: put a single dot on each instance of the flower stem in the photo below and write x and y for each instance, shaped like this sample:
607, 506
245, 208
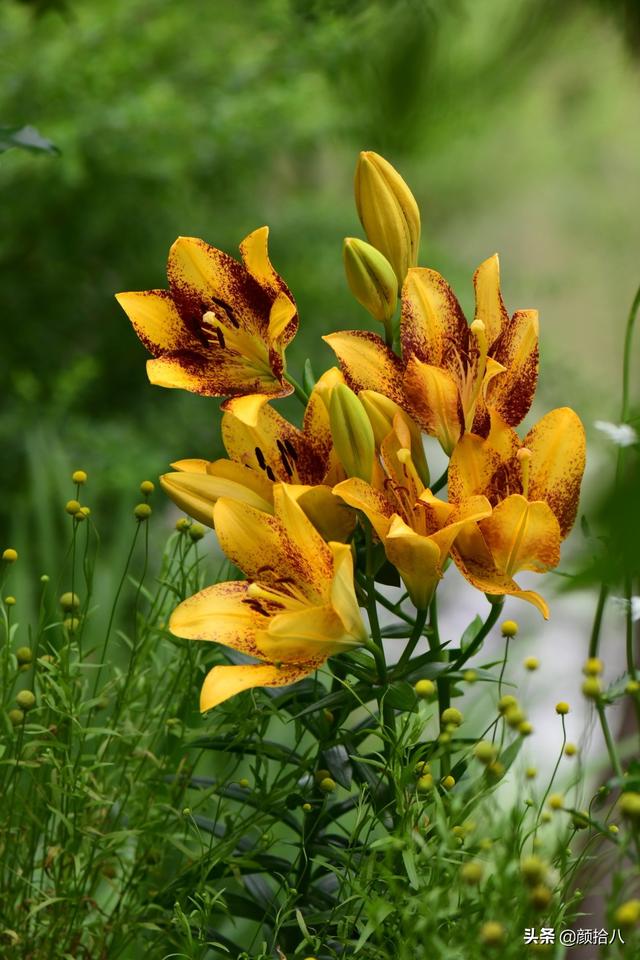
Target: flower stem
608, 739
476, 643
297, 389
416, 633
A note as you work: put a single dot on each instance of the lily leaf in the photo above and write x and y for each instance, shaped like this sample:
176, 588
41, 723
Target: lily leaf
26, 138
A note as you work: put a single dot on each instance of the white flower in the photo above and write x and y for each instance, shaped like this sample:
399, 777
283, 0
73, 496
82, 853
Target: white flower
620, 433
622, 604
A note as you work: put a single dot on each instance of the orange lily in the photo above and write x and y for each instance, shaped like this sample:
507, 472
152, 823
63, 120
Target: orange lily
271, 451
452, 375
222, 327
533, 486
416, 528
297, 608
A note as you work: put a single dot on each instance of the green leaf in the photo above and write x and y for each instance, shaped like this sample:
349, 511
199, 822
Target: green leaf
261, 748
401, 696
26, 138
308, 377
339, 765
471, 632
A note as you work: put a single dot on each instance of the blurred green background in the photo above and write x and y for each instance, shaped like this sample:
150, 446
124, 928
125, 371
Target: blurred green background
516, 124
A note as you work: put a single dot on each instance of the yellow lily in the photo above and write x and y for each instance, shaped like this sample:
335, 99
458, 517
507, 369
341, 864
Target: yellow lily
416, 528
222, 327
270, 451
533, 486
297, 608
452, 376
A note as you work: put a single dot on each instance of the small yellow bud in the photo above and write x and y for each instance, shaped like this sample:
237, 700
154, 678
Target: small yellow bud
10, 555
81, 515
470, 676
570, 750
629, 804
504, 703
307, 807
514, 716
371, 279
562, 708
79, 476
592, 688
495, 770
541, 896
614, 828
328, 785
424, 689
244, 783
24, 655
142, 512
10, 601
321, 775
444, 737
16, 717
183, 524
147, 487
425, 783
72, 507
44, 578
632, 687
593, 667
525, 729
69, 601
492, 934
472, 872
421, 767
628, 914
531, 663
533, 870
509, 628
449, 782
452, 716
531, 773
580, 819
352, 433
388, 212
556, 801
196, 532
486, 843
84, 512
71, 624
25, 700
485, 752
545, 817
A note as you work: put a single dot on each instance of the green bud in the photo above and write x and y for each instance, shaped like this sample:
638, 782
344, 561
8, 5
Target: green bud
352, 433
382, 412
24, 654
25, 700
371, 279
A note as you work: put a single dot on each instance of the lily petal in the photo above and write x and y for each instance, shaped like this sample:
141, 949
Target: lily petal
224, 682
224, 614
197, 493
558, 451
362, 496
511, 394
156, 320
343, 595
298, 636
490, 306
417, 559
522, 535
367, 363
435, 402
330, 516
432, 324
270, 445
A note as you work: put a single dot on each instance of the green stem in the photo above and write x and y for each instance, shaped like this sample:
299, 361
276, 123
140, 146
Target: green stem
297, 389
555, 769
442, 683
608, 739
597, 620
476, 643
421, 616
626, 357
440, 482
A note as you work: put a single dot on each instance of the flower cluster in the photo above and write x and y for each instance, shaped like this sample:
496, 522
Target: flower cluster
293, 506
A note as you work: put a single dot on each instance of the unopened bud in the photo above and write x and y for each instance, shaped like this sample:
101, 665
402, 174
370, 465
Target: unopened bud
352, 433
10, 555
388, 212
382, 413
371, 279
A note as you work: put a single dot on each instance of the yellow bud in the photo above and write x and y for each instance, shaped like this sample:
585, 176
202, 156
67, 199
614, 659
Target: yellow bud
196, 532
472, 872
449, 782
531, 663
321, 775
485, 752
470, 676
509, 628
593, 667
545, 816
562, 708
541, 896
10, 601
614, 828
525, 729
72, 507
556, 801
531, 773
142, 512
147, 487
71, 624
16, 717
514, 717
307, 807
570, 750
629, 804
371, 279
632, 687
328, 785
388, 212
496, 770
79, 476
183, 524
592, 688
421, 767
580, 819
492, 933
453, 716
10, 555
84, 512
352, 433
25, 700
424, 689
506, 702
628, 914
533, 870
69, 601
244, 783
425, 783
24, 654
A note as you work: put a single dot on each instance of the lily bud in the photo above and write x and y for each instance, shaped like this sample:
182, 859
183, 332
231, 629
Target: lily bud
388, 212
197, 493
382, 412
352, 433
371, 279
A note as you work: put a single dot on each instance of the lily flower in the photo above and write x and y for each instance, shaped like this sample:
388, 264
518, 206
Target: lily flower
222, 327
415, 527
533, 486
270, 451
297, 607
452, 375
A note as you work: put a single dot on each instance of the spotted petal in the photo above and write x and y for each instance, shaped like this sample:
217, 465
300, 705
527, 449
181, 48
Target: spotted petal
367, 363
511, 394
490, 306
432, 326
558, 450
224, 682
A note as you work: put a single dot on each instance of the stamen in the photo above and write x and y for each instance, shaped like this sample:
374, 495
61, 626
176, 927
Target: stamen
524, 458
262, 463
478, 330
